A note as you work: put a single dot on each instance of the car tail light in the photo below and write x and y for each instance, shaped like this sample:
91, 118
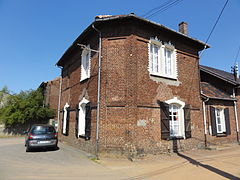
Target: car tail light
56, 135
30, 136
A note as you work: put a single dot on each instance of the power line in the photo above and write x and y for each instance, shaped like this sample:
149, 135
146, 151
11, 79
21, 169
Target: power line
219, 16
161, 8
237, 55
154, 9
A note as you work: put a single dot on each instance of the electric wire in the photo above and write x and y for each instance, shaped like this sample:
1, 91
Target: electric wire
162, 8
213, 28
237, 55
156, 8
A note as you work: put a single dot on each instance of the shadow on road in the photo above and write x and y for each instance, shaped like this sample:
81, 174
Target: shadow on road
44, 149
208, 167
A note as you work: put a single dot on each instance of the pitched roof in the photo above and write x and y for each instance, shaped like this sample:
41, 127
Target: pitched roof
132, 15
226, 76
105, 18
212, 92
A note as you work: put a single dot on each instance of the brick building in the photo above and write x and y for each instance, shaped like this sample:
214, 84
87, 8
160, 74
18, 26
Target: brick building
220, 93
51, 96
149, 88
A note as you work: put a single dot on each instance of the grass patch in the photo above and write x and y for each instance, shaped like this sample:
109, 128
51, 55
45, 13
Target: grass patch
95, 160
10, 136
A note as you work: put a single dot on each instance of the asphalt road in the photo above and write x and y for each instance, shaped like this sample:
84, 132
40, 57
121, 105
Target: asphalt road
69, 163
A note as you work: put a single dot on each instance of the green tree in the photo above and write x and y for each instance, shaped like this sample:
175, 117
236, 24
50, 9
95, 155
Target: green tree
4, 94
25, 107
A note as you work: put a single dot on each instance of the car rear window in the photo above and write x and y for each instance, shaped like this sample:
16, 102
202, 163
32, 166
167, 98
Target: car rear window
43, 130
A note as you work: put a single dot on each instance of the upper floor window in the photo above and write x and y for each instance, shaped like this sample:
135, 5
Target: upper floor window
85, 63
162, 59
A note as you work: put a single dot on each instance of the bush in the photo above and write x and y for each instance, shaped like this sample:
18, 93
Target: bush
25, 107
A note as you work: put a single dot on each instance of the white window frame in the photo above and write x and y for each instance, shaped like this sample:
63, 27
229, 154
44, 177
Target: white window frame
82, 117
220, 120
85, 63
181, 121
65, 114
159, 65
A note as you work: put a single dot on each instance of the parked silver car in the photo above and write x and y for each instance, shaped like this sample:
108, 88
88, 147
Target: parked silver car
41, 136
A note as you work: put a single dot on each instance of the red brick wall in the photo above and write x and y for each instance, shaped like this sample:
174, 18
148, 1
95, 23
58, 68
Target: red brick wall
51, 94
129, 94
232, 138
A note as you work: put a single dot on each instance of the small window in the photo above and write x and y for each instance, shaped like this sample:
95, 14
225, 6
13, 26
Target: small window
85, 63
162, 59
220, 120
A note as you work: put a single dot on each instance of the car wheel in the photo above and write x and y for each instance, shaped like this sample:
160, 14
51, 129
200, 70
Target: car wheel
28, 149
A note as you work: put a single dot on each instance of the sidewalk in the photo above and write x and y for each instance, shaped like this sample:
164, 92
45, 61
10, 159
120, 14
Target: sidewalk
198, 164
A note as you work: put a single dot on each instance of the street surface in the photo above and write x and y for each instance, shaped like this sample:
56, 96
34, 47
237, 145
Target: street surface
69, 163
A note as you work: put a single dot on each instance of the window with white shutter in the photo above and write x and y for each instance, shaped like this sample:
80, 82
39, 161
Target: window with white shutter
84, 119
85, 63
65, 119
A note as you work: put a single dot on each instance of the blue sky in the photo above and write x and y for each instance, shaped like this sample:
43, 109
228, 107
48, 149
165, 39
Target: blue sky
34, 34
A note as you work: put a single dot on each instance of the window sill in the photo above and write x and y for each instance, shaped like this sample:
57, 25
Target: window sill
176, 137
83, 80
221, 135
161, 76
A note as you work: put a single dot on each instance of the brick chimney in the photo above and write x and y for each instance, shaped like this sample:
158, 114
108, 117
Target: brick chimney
183, 28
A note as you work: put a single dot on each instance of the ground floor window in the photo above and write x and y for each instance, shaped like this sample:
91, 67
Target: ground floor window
83, 119
175, 119
220, 122
65, 120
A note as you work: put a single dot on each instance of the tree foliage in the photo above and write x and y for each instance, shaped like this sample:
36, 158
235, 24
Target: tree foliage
25, 107
4, 93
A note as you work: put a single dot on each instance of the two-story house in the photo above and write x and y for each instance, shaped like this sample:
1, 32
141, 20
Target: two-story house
142, 92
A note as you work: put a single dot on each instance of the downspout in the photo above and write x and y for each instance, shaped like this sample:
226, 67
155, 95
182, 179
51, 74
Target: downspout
236, 116
99, 89
205, 121
59, 99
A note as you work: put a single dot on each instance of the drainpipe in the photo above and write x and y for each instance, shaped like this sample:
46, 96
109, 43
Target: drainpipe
99, 89
59, 99
236, 116
205, 121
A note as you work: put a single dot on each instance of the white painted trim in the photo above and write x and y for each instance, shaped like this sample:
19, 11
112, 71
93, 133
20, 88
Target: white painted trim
65, 118
175, 100
204, 117
155, 41
81, 116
